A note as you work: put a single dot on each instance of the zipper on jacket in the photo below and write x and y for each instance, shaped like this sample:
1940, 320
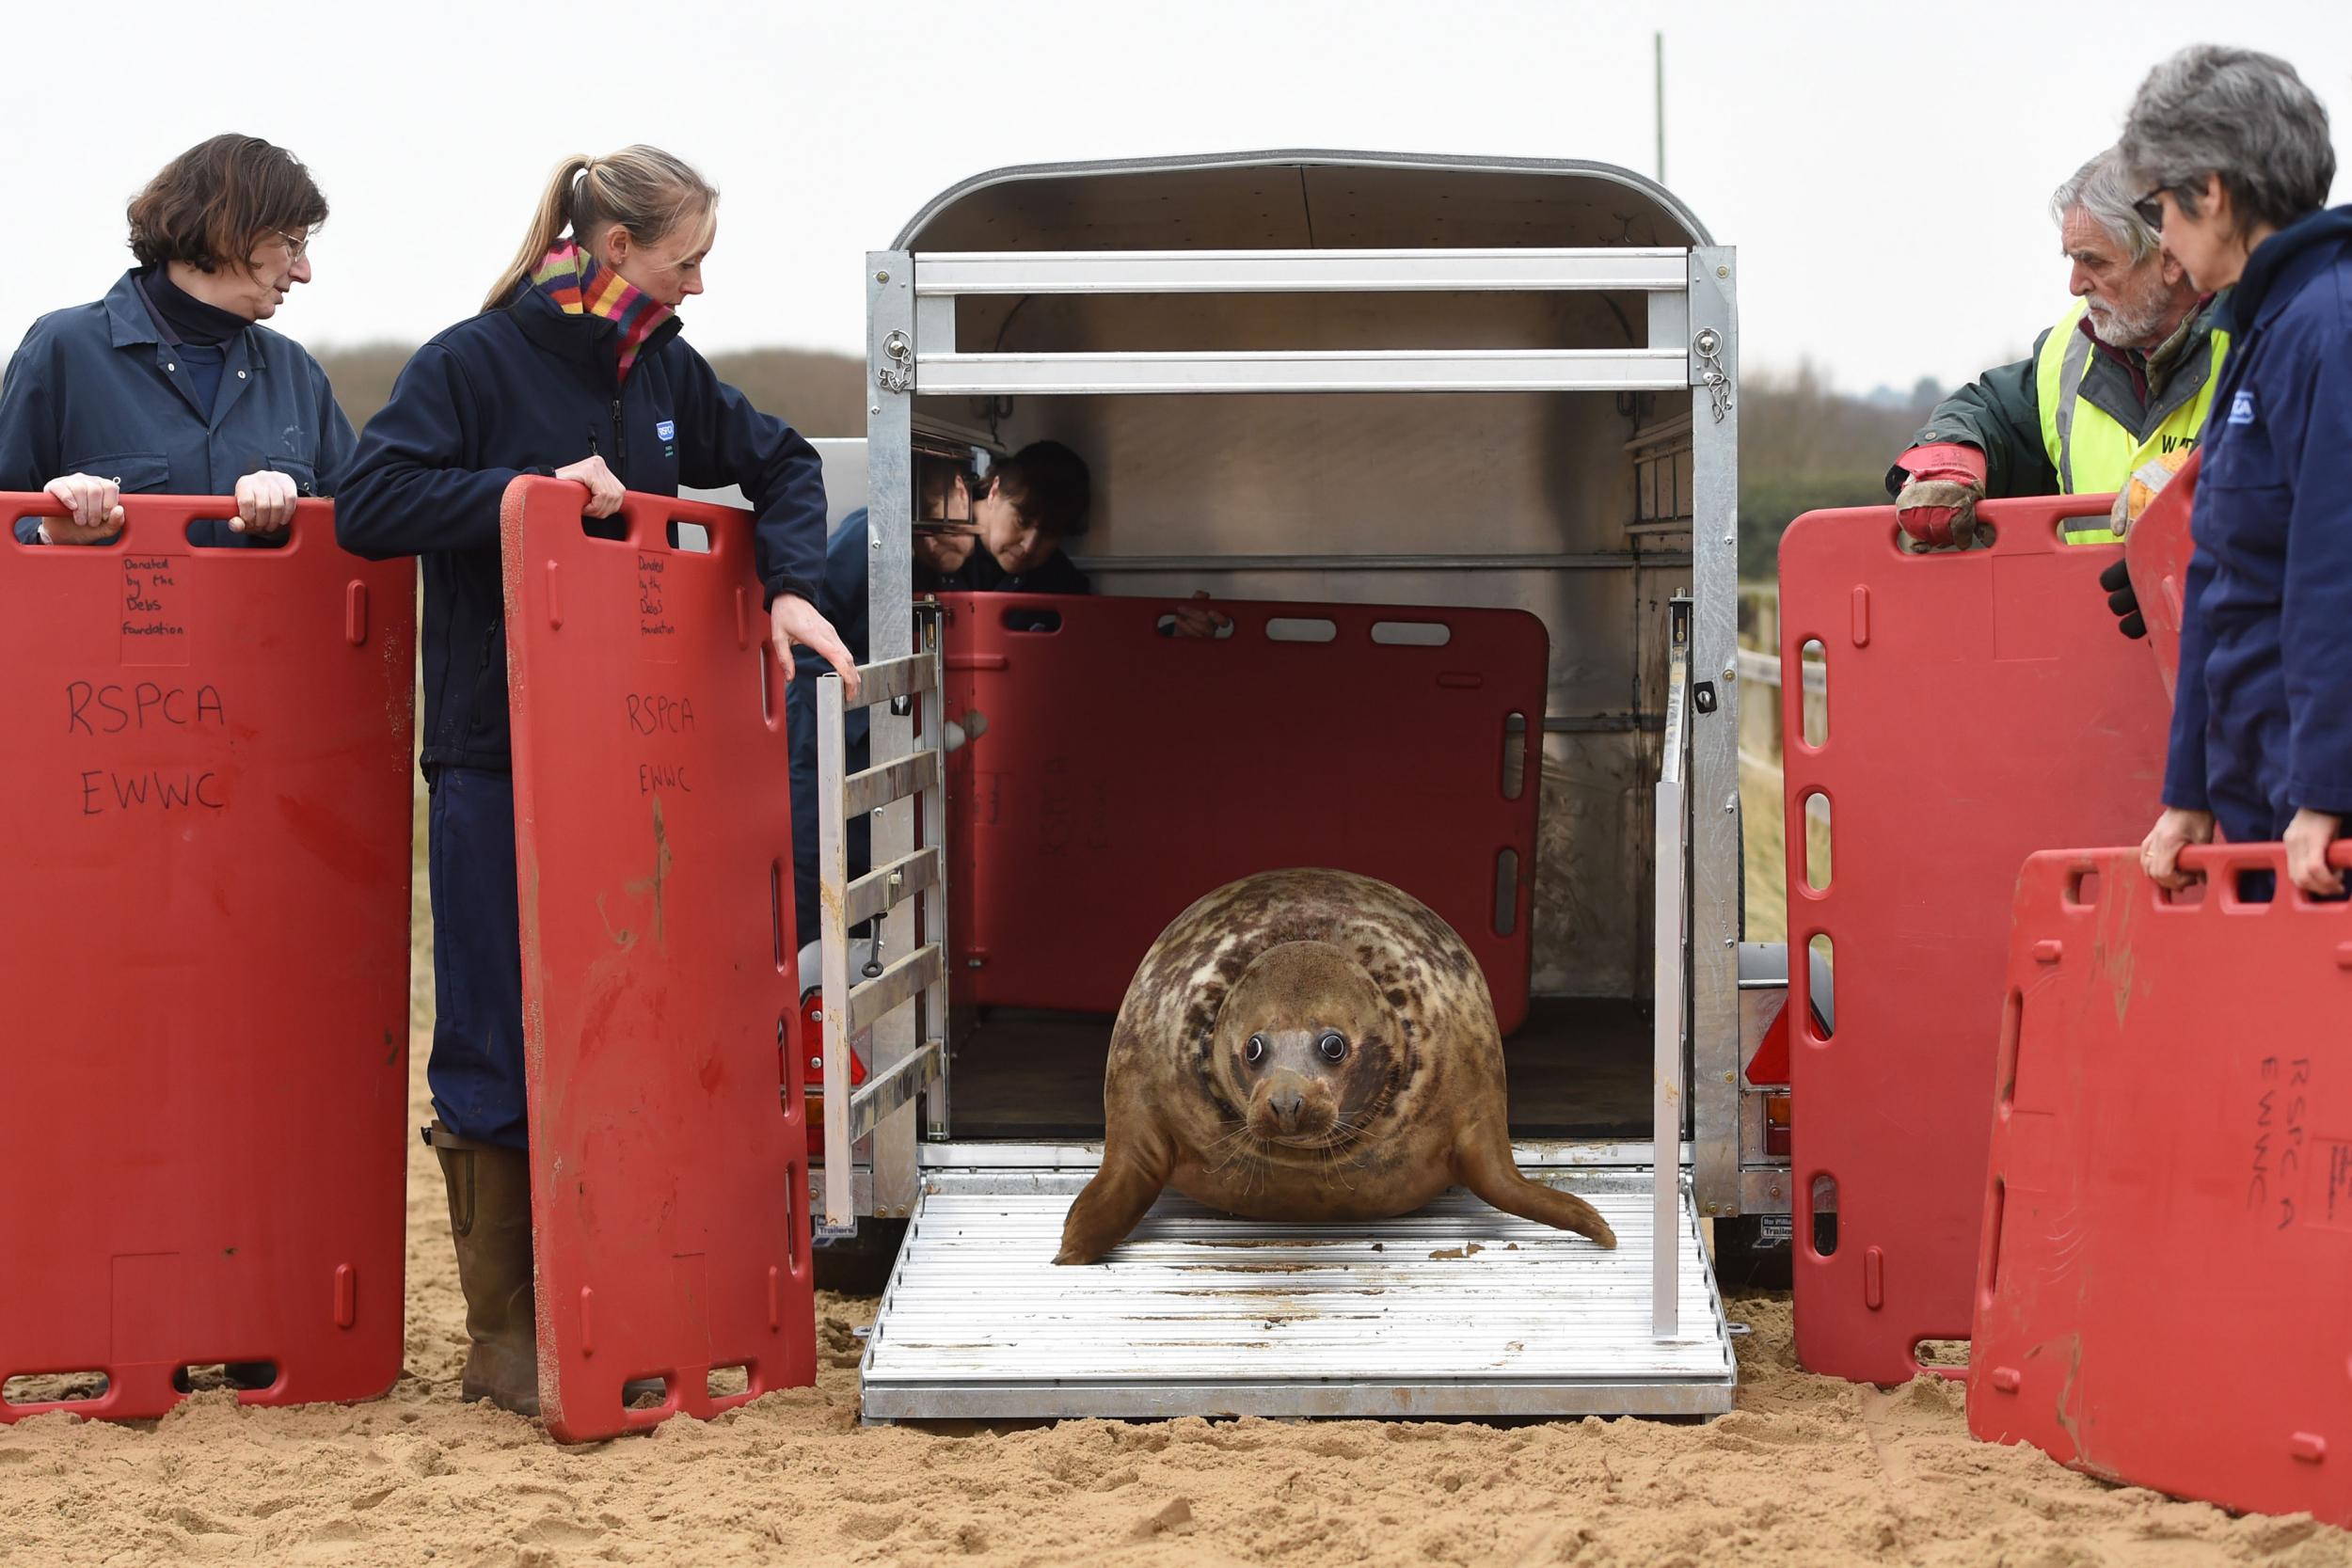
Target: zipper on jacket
479, 720
620, 442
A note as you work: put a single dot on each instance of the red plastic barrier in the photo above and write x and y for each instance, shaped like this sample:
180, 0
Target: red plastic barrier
660, 987
2158, 550
1980, 708
2168, 1246
204, 959
1121, 774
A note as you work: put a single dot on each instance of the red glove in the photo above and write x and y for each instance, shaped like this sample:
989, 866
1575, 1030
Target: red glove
1939, 504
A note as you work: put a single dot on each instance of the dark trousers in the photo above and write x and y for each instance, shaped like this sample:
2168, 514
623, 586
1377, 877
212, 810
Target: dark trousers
476, 1070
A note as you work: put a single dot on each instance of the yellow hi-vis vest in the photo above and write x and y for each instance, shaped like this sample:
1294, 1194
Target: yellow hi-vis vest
2090, 448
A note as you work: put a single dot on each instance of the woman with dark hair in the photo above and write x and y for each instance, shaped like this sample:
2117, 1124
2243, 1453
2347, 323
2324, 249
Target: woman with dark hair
2233, 153
573, 369
169, 384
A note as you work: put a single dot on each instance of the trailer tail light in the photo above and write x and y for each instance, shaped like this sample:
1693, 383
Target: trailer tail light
1770, 1065
813, 1091
1776, 1125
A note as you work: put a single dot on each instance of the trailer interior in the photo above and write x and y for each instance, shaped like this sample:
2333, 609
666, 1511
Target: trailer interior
1435, 386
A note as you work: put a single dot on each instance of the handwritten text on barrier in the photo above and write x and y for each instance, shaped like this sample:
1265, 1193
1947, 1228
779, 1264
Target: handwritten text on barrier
154, 611
652, 715
99, 710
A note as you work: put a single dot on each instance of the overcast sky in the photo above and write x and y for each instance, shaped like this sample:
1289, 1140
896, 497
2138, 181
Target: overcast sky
1882, 168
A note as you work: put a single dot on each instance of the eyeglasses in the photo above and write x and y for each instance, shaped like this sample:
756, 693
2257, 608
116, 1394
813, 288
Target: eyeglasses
295, 248
2150, 211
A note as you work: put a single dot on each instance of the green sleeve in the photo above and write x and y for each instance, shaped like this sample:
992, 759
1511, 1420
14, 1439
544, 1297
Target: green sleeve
2000, 415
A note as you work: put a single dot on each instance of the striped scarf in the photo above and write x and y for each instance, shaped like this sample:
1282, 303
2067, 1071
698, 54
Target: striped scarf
571, 277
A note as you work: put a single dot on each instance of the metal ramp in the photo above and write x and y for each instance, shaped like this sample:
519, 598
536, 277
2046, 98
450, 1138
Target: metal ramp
1458, 1310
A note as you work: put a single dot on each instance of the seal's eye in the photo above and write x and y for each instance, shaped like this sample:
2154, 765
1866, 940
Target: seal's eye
1333, 1048
1254, 1052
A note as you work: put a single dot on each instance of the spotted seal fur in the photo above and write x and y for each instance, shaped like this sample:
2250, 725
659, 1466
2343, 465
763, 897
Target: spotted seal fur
1307, 1045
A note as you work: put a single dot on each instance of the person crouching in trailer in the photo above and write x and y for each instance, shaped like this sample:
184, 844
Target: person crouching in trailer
2121, 383
170, 385
1035, 501
1009, 540
2233, 152
946, 559
575, 370
1019, 517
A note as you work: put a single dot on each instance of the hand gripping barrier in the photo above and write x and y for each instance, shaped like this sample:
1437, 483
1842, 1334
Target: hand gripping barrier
2167, 1243
1980, 706
660, 990
1119, 774
204, 961
2157, 552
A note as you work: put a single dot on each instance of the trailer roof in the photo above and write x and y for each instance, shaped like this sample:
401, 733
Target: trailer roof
1303, 197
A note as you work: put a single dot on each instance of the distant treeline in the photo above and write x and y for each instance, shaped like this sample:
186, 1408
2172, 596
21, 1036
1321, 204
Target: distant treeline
1801, 445
1804, 447
818, 392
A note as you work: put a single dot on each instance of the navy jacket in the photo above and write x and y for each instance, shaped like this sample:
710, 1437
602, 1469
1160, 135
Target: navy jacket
1055, 574
2261, 723
94, 389
527, 389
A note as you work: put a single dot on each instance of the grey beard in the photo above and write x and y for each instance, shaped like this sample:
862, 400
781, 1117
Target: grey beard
2119, 330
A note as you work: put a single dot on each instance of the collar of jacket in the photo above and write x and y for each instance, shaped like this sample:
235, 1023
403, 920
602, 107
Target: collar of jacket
2281, 265
584, 340
2134, 362
571, 277
132, 327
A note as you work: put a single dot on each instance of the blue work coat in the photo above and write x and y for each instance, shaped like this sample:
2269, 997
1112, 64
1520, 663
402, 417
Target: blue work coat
94, 389
526, 389
2261, 723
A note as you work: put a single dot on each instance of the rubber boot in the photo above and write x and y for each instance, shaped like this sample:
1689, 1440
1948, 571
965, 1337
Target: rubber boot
489, 1218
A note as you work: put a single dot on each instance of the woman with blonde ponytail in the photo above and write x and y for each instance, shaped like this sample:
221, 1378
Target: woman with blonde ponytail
548, 227
574, 369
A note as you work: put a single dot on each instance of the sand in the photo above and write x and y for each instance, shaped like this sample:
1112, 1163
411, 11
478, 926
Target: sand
1806, 1471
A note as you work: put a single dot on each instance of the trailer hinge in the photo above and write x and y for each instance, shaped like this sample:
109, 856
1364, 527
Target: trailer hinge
1707, 348
898, 375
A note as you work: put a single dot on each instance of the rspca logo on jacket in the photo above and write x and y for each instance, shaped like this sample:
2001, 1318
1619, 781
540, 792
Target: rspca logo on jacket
2242, 408
667, 429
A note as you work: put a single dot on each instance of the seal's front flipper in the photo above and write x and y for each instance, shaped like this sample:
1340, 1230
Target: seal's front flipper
1111, 1206
1496, 1181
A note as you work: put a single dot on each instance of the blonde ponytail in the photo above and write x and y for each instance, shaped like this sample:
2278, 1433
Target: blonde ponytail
547, 227
646, 191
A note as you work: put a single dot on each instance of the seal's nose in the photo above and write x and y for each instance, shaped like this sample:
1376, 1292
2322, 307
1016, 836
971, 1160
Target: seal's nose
1285, 1104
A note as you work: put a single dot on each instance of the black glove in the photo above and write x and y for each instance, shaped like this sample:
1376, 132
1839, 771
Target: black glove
2122, 600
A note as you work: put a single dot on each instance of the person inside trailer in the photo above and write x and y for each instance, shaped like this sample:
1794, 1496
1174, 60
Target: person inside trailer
171, 383
1009, 538
1000, 533
2231, 151
2118, 388
946, 560
1029, 506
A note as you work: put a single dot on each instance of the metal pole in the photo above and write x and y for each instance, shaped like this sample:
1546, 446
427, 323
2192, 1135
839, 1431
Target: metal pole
833, 871
933, 901
1658, 52
1666, 1090
890, 354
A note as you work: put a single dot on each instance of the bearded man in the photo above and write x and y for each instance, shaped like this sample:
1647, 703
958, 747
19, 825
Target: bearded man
2118, 389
